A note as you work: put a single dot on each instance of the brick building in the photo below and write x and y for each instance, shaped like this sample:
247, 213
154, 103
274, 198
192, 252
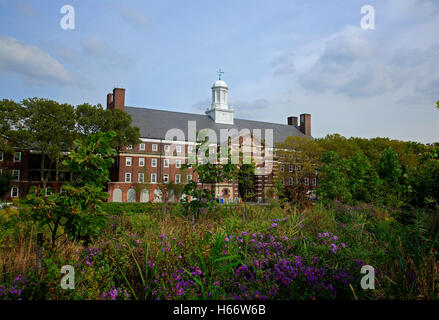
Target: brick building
167, 141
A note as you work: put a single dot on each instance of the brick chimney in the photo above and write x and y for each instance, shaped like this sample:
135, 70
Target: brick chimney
116, 100
109, 101
292, 121
305, 124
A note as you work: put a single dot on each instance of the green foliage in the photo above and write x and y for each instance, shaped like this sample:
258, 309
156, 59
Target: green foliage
77, 210
333, 178
362, 179
5, 183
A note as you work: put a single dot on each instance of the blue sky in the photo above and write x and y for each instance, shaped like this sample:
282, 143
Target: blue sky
280, 58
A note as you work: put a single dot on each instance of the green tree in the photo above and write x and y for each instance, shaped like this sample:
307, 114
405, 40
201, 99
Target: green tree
362, 179
78, 209
5, 183
92, 119
333, 179
49, 128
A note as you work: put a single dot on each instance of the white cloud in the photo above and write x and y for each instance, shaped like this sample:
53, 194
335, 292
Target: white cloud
32, 63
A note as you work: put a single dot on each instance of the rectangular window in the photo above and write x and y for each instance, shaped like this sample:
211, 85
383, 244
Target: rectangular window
1, 155
190, 149
141, 162
14, 192
154, 162
128, 161
153, 177
166, 163
189, 177
291, 181
127, 177
314, 181
142, 147
141, 178
290, 167
17, 156
297, 180
62, 190
178, 178
130, 147
298, 168
178, 163
282, 169
178, 149
166, 178
306, 181
167, 148
16, 175
154, 147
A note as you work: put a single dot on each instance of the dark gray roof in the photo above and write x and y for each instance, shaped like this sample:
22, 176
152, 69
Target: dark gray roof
155, 123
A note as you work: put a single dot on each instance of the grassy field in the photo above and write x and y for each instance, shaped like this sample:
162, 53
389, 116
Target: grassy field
148, 251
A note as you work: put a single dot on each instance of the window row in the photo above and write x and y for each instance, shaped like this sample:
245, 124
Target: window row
17, 156
155, 147
15, 191
141, 178
305, 181
166, 162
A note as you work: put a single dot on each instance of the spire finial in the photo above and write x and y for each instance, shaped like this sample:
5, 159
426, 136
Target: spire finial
220, 73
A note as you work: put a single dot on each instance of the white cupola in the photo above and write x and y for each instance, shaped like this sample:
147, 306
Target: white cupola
219, 110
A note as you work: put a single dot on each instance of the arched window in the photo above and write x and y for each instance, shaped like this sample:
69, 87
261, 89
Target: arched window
117, 195
131, 195
144, 196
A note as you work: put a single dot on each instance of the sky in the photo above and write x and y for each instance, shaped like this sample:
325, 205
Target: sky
280, 58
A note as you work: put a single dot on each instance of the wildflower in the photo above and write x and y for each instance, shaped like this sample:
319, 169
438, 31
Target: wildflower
257, 295
179, 256
226, 239
180, 291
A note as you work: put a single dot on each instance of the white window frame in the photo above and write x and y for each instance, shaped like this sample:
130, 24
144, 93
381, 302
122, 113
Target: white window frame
282, 169
165, 163
18, 175
128, 174
141, 162
291, 181
141, 177
142, 147
167, 147
178, 163
12, 192
128, 161
154, 162
189, 177
130, 147
153, 177
19, 157
48, 193
314, 181
178, 149
290, 167
1, 156
298, 168
155, 147
179, 178
190, 149
306, 180
166, 178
